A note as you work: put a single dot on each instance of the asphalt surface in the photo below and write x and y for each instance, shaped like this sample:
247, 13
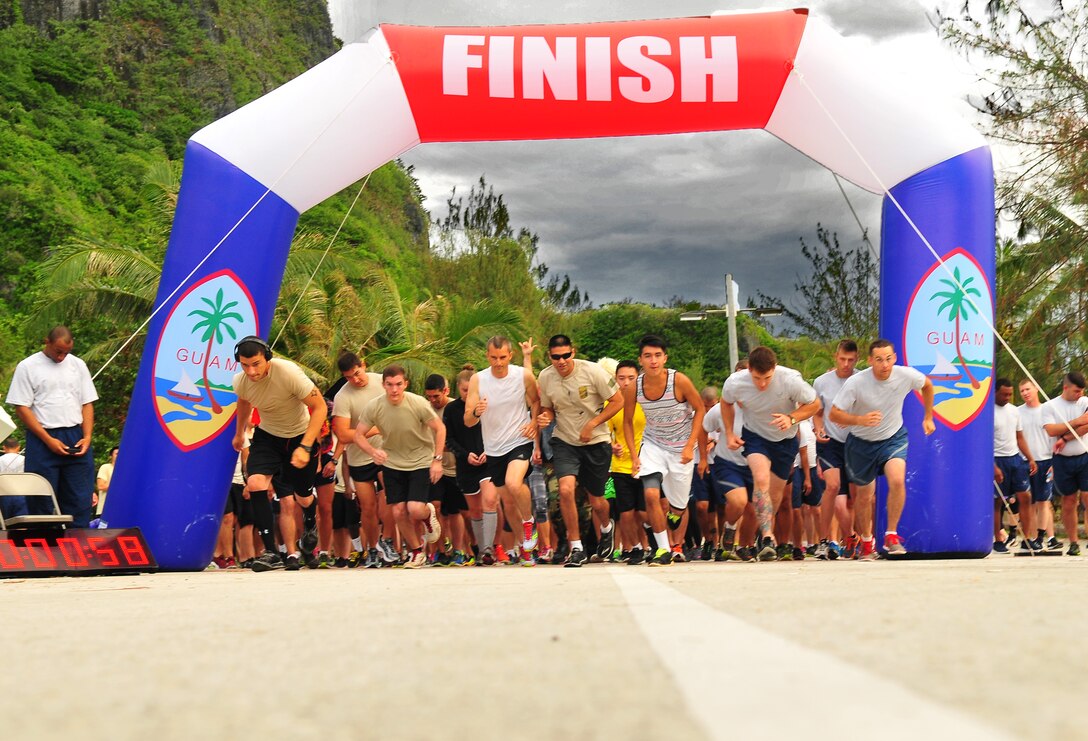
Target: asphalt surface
964, 649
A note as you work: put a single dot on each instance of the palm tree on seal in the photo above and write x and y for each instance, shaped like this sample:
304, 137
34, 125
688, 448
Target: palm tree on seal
959, 306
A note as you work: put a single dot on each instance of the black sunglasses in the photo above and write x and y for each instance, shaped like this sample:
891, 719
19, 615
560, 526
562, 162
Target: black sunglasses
561, 356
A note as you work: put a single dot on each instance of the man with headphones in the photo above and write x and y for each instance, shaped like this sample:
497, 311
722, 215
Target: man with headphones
285, 441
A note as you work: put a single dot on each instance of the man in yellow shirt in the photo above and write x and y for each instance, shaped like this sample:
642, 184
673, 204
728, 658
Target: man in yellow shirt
630, 499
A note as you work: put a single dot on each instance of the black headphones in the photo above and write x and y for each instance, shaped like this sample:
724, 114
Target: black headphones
255, 339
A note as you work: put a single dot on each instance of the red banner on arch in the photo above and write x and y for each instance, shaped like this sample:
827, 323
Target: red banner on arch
625, 78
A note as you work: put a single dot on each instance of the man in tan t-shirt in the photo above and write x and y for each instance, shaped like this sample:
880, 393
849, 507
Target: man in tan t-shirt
413, 440
283, 444
347, 409
581, 397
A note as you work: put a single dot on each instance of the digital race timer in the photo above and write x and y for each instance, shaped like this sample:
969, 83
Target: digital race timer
59, 552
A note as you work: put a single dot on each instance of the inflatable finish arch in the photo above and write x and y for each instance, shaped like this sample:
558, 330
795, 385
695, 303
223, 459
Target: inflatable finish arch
248, 177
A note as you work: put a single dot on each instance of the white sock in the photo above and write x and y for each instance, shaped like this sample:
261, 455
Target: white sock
605, 530
576, 545
357, 544
662, 540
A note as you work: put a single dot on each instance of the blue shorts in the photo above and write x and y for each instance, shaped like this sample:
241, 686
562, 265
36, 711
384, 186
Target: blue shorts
831, 454
865, 459
781, 452
1042, 482
703, 491
1016, 475
815, 494
1070, 474
725, 476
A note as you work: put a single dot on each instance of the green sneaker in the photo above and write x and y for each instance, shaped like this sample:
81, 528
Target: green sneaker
673, 520
661, 557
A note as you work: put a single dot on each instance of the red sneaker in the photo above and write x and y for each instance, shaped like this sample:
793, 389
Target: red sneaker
867, 551
893, 545
501, 555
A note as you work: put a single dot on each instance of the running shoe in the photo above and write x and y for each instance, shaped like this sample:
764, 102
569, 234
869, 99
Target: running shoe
532, 537
487, 558
293, 563
893, 545
678, 554
708, 551
458, 559
546, 556
267, 561
416, 559
607, 542
637, 557
309, 538
1000, 547
618, 556
247, 564
1074, 549
432, 528
850, 547
661, 557
673, 520
355, 558
822, 549
373, 560
766, 551
1054, 545
385, 546
834, 550
730, 552
719, 555
341, 563
1029, 546
867, 550
798, 553
527, 559
784, 552
576, 559
501, 556
744, 553
223, 562
323, 560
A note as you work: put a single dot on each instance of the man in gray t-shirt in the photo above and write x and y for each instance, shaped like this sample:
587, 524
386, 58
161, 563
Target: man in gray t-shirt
871, 405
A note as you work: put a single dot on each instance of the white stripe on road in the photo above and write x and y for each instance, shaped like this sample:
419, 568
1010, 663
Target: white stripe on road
737, 678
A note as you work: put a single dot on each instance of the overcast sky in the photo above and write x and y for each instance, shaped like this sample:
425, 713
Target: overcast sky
650, 218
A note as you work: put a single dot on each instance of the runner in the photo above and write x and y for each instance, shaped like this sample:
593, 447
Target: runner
1041, 446
674, 426
871, 404
467, 445
413, 443
775, 398
830, 449
1013, 466
451, 503
504, 401
284, 443
1071, 462
581, 397
730, 477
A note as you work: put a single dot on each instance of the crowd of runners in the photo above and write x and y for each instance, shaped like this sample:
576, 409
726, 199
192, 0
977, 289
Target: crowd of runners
610, 461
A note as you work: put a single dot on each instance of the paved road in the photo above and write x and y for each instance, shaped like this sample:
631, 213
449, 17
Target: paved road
956, 649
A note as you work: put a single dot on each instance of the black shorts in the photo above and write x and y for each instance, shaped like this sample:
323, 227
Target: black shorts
271, 456
407, 486
447, 492
365, 474
468, 476
319, 479
629, 493
496, 467
240, 506
589, 463
345, 512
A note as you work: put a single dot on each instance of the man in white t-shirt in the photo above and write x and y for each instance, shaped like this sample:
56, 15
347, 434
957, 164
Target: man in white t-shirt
1041, 446
1060, 414
12, 462
871, 405
54, 396
831, 451
1013, 466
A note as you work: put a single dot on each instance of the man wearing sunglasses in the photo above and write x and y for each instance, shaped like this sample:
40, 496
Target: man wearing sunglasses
581, 397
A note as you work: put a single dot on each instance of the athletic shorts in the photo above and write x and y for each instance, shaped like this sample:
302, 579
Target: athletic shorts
675, 476
780, 452
345, 512
496, 467
1042, 481
865, 460
270, 455
448, 495
629, 494
588, 463
1016, 475
831, 454
726, 476
407, 486
468, 476
240, 506
319, 479
815, 494
365, 474
1070, 473
702, 490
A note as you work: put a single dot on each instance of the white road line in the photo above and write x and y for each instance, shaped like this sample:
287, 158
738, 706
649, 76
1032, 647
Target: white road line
738, 678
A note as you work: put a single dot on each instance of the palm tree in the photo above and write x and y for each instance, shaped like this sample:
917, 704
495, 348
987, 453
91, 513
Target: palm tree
214, 322
958, 306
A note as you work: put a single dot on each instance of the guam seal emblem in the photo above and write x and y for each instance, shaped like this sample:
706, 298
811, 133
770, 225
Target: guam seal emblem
194, 363
946, 338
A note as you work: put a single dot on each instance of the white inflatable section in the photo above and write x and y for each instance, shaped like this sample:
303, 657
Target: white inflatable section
899, 129
323, 130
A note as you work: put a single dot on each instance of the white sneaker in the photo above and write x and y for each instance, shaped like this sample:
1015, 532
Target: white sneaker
433, 528
415, 561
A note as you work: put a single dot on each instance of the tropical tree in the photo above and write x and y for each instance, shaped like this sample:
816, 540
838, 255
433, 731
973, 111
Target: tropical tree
959, 306
213, 322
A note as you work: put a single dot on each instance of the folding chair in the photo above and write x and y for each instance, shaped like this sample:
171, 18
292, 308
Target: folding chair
30, 485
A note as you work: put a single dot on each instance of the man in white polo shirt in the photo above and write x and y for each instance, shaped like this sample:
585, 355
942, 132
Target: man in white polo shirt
54, 396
